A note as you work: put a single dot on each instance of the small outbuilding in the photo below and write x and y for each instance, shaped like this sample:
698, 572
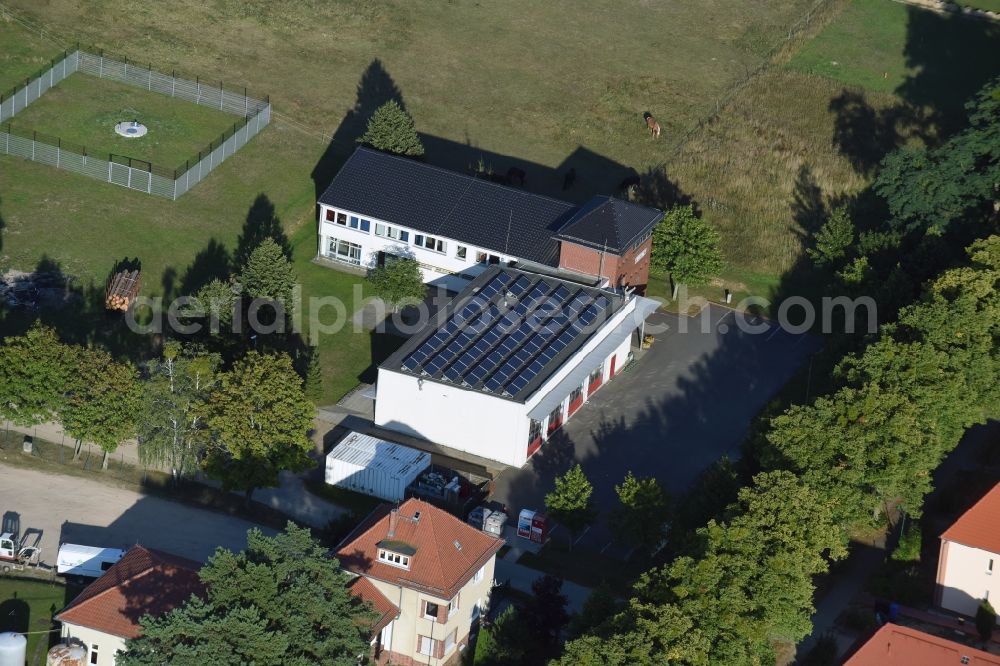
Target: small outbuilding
373, 466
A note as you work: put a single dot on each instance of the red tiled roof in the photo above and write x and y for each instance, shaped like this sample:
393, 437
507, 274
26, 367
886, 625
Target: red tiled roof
979, 527
143, 582
448, 551
363, 589
894, 645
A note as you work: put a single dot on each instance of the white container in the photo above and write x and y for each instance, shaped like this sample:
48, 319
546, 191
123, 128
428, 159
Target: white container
373, 466
13, 649
89, 561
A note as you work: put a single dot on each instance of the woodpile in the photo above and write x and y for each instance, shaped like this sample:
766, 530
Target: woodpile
122, 289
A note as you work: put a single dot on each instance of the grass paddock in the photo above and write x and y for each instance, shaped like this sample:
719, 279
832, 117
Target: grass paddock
84, 109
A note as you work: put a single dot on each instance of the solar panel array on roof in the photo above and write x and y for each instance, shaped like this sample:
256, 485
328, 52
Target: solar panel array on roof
507, 333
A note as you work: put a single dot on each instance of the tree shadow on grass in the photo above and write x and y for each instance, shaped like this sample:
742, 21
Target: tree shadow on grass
951, 58
375, 88
262, 222
15, 615
211, 263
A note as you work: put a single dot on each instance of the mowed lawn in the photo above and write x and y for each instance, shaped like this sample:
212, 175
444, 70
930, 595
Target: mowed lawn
28, 606
84, 109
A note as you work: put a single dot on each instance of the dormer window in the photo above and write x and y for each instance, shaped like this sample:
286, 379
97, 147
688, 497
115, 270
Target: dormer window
395, 553
395, 559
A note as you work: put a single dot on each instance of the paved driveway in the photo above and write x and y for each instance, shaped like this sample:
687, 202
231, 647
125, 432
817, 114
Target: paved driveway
75, 510
685, 403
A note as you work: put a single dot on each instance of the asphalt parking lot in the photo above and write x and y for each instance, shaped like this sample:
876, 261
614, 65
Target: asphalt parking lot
685, 403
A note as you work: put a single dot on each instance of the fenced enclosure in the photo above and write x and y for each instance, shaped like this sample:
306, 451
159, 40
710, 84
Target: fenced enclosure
253, 115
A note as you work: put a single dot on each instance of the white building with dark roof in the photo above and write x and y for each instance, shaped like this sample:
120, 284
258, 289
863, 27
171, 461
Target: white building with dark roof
381, 206
509, 362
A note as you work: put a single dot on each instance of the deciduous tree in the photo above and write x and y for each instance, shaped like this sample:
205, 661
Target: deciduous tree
103, 402
686, 247
642, 517
257, 423
571, 502
398, 282
35, 370
171, 420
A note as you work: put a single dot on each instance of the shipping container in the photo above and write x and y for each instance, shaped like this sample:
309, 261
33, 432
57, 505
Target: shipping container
373, 466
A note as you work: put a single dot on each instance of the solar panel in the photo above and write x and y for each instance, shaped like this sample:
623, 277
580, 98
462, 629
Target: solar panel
508, 332
469, 310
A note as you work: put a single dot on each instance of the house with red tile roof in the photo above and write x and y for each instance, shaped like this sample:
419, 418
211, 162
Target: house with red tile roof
969, 561
107, 612
427, 574
895, 645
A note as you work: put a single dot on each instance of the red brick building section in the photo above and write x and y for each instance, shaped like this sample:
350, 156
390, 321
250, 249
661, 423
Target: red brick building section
610, 238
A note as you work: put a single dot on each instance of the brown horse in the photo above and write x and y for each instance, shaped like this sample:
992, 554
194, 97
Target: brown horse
654, 127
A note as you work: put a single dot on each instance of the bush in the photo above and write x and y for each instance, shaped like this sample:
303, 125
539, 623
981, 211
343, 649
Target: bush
986, 620
909, 546
823, 652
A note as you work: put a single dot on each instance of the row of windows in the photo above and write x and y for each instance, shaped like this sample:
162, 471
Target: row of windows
341, 250
395, 559
403, 236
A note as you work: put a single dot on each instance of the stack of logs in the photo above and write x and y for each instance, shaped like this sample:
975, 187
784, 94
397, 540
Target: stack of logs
123, 287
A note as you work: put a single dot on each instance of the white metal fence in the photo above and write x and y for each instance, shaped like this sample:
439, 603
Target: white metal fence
254, 115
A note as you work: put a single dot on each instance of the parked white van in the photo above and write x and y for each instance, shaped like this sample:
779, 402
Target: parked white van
88, 561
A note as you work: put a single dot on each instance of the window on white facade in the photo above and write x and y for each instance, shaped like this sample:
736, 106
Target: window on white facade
431, 243
460, 252
330, 215
334, 216
477, 609
389, 231
344, 251
449, 641
425, 645
478, 578
452, 606
534, 430
989, 567
487, 258
430, 610
93, 653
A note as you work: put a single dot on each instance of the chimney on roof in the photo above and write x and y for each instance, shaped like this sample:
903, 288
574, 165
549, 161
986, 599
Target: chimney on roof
393, 521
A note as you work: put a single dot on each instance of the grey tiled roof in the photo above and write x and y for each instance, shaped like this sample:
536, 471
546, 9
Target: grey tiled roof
438, 201
610, 224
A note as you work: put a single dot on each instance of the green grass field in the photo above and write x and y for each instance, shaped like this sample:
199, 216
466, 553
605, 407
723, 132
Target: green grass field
28, 606
769, 160
84, 109
542, 85
22, 54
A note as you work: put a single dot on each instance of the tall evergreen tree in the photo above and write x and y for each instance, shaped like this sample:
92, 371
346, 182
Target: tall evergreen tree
281, 601
391, 129
268, 275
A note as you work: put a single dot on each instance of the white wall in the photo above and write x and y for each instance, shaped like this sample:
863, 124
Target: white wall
409, 625
966, 580
107, 645
435, 266
470, 421
627, 311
